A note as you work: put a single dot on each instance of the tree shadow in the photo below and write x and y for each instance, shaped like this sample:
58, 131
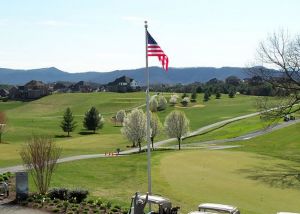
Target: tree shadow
86, 133
61, 136
279, 175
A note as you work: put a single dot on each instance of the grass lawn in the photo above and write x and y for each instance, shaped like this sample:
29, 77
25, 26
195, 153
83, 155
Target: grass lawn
230, 130
189, 178
43, 116
283, 143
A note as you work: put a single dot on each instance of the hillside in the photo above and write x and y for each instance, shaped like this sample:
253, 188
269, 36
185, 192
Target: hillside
157, 75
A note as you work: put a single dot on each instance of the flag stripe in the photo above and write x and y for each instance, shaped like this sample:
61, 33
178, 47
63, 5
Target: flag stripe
153, 49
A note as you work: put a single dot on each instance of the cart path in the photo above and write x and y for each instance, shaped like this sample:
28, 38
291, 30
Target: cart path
15, 209
212, 143
161, 143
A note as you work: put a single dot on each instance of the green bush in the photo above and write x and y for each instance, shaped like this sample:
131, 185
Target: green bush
59, 193
90, 201
56, 201
108, 204
59, 205
77, 195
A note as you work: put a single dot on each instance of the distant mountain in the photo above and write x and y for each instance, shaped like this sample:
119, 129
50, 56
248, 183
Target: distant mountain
157, 75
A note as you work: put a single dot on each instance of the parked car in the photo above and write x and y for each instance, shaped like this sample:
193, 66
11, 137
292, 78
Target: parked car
209, 208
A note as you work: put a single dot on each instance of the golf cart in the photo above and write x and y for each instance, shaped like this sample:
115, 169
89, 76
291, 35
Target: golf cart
286, 213
209, 208
159, 204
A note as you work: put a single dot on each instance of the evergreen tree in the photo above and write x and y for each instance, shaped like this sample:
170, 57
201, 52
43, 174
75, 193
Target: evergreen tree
68, 124
218, 95
206, 96
231, 93
194, 96
93, 120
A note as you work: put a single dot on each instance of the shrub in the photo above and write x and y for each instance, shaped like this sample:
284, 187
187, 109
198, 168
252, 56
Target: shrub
78, 195
69, 212
55, 201
5, 177
58, 193
74, 209
99, 202
59, 205
108, 204
1, 179
90, 201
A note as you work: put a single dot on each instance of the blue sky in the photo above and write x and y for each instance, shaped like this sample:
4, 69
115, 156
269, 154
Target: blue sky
95, 35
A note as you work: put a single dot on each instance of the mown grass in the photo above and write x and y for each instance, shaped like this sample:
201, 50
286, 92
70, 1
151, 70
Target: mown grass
230, 130
189, 178
43, 116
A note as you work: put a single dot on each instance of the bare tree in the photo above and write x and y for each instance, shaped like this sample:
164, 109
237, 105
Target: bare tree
2, 124
40, 156
155, 127
177, 125
282, 53
134, 127
120, 116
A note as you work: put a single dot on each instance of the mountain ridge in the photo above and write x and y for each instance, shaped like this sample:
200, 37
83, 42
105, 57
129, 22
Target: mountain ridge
157, 75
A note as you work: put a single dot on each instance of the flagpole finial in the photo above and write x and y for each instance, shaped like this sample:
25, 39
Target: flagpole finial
146, 24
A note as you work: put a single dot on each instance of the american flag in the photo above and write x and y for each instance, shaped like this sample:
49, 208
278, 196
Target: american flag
153, 49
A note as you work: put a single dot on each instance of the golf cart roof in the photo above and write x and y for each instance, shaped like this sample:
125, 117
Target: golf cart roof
217, 207
286, 213
155, 199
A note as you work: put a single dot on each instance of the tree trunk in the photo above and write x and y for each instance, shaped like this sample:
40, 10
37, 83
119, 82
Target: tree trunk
140, 148
179, 141
0, 137
68, 134
152, 139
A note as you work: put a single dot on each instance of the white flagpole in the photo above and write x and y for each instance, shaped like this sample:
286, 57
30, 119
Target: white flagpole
148, 116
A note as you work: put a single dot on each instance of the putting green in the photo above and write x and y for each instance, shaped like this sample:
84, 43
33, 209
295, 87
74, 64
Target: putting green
254, 183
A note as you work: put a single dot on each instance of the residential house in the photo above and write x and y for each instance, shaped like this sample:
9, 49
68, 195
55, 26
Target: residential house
123, 84
81, 86
4, 92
